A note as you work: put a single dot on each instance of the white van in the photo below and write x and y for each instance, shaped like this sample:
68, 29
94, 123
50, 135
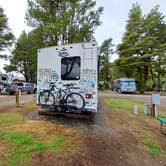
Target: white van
125, 85
75, 64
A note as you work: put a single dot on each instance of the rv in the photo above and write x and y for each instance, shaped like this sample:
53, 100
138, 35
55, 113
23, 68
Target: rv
15, 77
2, 80
125, 85
74, 65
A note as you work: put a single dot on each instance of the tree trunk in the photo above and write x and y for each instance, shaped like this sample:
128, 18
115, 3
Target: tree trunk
141, 84
158, 77
152, 77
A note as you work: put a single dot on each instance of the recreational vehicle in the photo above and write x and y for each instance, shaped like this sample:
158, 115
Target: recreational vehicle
125, 85
67, 77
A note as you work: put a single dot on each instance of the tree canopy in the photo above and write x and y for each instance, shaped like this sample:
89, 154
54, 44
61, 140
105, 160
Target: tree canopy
106, 50
142, 53
64, 21
54, 23
6, 36
24, 57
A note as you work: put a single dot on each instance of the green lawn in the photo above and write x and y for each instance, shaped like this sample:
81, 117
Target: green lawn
19, 145
10, 118
152, 145
23, 144
124, 103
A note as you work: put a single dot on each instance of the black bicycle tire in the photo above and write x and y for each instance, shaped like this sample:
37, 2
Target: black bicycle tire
83, 106
50, 93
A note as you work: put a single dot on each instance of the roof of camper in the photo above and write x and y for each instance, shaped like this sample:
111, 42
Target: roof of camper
71, 44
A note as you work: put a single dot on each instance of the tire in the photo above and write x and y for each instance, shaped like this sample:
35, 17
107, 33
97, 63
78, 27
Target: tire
11, 93
46, 99
75, 102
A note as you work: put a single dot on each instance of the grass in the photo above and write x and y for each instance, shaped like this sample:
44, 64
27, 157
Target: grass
20, 144
10, 118
23, 144
152, 146
56, 143
143, 116
123, 103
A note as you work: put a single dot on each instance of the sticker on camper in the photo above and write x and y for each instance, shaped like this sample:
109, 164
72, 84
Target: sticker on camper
88, 80
45, 76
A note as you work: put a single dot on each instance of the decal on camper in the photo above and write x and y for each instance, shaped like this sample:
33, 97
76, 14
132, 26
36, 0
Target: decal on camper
45, 76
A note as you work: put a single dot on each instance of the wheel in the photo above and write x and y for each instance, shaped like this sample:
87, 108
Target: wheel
46, 99
75, 102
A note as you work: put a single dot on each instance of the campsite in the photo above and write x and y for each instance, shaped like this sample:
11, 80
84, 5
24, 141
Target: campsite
82, 83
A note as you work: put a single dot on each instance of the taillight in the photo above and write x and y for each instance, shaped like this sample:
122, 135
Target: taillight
89, 96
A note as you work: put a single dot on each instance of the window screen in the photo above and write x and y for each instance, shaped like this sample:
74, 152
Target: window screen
70, 68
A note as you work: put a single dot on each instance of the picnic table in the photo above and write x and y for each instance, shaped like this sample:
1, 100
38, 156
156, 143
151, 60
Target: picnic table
162, 123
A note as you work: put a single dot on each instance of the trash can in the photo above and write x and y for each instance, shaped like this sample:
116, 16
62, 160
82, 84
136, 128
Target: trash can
135, 109
146, 109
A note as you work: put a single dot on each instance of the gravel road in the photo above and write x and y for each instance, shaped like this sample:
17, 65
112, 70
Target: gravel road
6, 100
9, 100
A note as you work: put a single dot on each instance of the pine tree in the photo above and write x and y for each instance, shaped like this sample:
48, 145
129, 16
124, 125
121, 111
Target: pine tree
106, 50
64, 22
142, 51
24, 57
155, 39
6, 37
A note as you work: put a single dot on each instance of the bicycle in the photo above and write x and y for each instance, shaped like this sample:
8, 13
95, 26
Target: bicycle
46, 97
65, 99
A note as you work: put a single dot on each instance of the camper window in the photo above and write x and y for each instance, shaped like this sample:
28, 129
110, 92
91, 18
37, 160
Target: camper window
70, 68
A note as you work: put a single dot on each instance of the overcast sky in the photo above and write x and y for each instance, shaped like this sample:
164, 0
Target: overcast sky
113, 19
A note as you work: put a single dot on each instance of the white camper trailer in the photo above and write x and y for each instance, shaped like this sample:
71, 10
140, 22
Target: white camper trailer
74, 67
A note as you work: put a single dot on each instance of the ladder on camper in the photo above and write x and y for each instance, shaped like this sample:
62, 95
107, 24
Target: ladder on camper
88, 59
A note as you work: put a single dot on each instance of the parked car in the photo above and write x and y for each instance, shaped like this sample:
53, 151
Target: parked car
11, 89
34, 88
26, 87
1, 87
125, 85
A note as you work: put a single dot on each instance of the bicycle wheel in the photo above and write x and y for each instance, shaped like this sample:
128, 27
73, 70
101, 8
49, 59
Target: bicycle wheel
46, 99
74, 101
